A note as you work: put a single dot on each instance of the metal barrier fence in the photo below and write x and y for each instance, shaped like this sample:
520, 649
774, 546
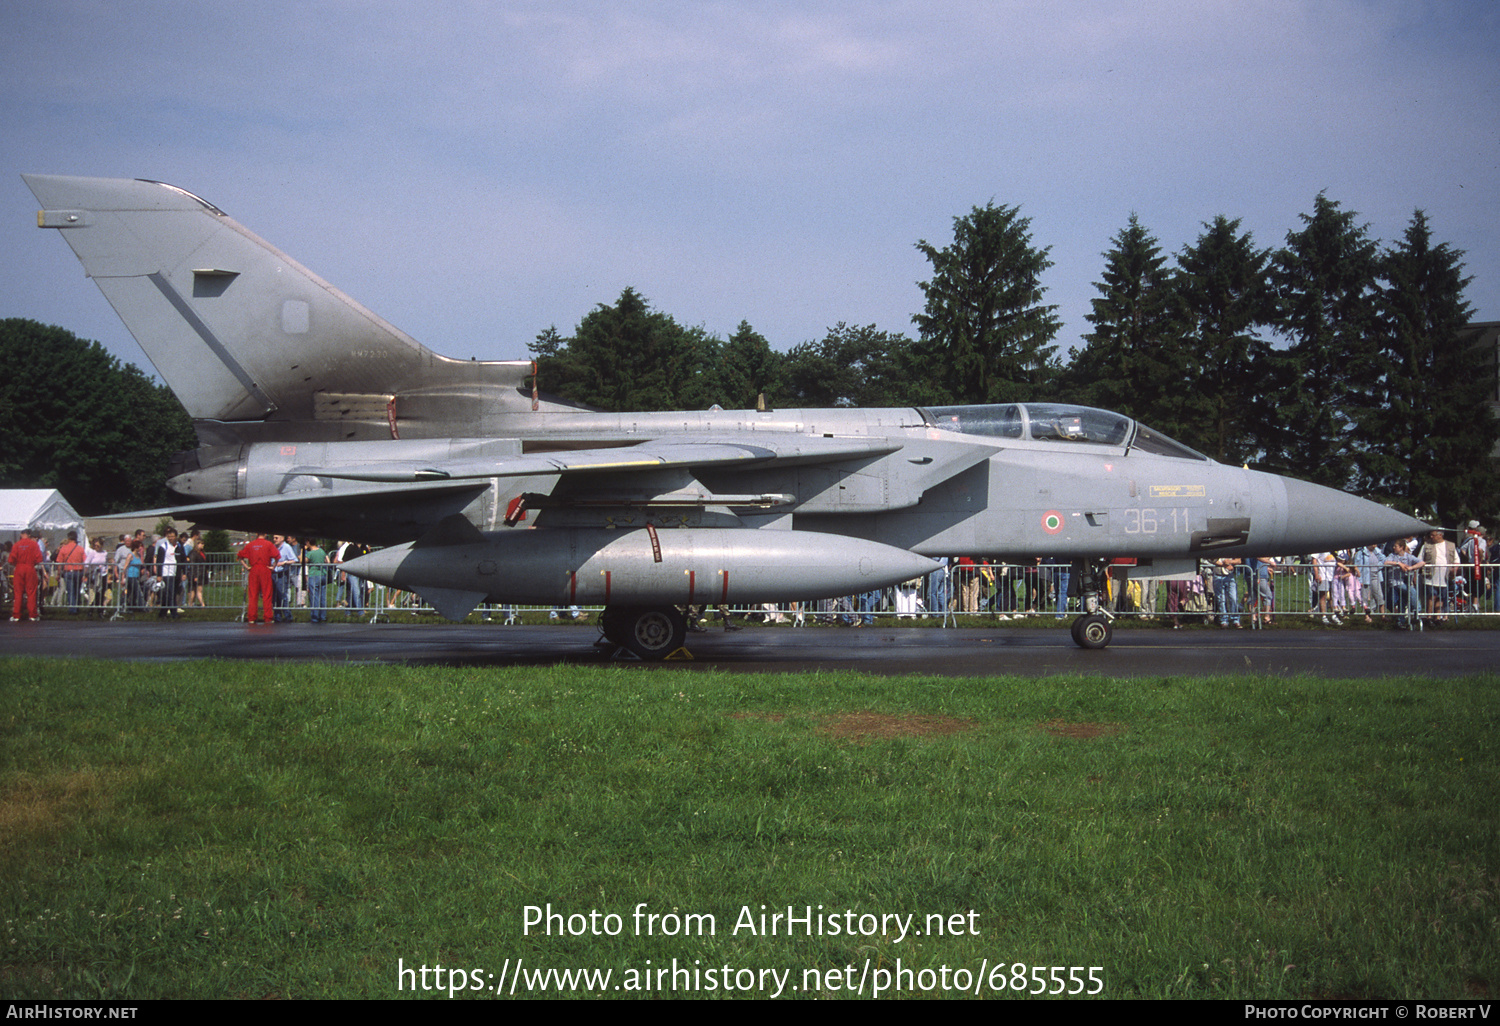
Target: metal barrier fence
1298, 591
994, 590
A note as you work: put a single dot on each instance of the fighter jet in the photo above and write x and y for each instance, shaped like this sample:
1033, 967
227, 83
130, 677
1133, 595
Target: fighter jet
315, 416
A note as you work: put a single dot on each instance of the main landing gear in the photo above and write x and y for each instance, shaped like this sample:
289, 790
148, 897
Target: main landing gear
1094, 628
650, 632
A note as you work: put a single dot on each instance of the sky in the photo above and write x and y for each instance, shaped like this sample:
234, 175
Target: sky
475, 172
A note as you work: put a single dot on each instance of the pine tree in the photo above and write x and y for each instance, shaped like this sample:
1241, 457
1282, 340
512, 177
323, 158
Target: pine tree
1430, 437
1325, 282
1226, 297
985, 333
1134, 361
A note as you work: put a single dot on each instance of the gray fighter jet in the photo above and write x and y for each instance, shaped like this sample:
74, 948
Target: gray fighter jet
315, 416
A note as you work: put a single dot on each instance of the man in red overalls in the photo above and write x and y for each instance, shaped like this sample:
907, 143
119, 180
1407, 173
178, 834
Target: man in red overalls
258, 557
25, 554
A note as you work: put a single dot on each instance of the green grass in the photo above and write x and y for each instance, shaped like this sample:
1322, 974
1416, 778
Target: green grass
250, 830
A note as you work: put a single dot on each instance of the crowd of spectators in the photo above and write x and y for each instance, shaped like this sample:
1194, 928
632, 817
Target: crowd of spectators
1431, 578
162, 576
1406, 582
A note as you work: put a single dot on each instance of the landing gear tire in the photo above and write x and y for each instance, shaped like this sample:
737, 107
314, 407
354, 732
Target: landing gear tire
1092, 631
652, 633
614, 624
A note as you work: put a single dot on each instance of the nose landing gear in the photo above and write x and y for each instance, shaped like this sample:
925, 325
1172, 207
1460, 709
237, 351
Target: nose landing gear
1094, 628
1092, 631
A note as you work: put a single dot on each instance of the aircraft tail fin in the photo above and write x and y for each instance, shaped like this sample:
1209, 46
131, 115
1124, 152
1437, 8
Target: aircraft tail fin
245, 336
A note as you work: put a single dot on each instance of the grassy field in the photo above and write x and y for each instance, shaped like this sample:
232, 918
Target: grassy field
302, 831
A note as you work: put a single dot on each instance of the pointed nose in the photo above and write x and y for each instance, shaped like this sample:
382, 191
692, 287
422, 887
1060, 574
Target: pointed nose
1319, 519
379, 566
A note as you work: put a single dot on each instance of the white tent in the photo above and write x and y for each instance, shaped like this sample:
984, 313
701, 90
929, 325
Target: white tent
44, 510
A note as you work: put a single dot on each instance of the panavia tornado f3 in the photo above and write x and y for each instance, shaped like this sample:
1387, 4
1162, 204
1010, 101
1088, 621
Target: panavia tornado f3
316, 417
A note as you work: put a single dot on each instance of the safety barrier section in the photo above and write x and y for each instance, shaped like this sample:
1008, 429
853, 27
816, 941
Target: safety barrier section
1227, 595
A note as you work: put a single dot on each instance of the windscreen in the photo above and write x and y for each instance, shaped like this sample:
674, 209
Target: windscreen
1153, 441
1044, 422
1056, 422
991, 421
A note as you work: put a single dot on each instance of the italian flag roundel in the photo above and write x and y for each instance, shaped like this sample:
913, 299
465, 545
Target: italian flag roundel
1052, 521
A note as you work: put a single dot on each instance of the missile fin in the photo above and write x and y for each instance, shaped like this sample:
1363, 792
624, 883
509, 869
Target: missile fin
452, 603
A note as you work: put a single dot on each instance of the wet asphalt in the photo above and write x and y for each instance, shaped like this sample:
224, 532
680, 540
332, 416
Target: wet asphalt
879, 649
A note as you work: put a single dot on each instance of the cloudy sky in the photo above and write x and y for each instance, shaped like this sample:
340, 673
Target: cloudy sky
477, 171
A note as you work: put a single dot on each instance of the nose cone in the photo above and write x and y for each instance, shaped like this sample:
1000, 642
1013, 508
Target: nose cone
379, 566
1319, 519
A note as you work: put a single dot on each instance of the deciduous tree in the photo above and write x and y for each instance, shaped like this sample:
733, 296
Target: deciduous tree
629, 357
747, 368
74, 418
854, 366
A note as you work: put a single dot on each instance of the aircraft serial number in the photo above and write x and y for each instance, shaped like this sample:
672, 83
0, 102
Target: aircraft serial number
1150, 520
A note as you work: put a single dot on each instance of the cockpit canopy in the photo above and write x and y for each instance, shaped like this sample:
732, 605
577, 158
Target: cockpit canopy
1056, 422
